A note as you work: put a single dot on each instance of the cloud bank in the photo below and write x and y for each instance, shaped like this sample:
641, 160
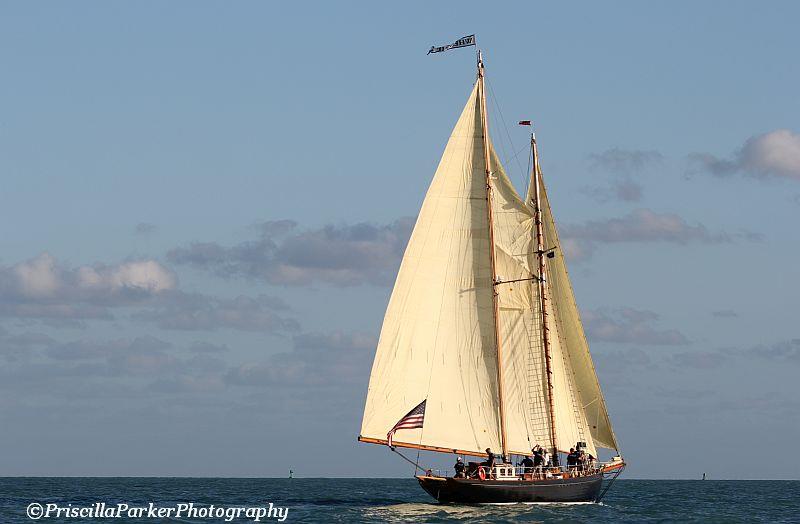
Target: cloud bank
44, 288
316, 360
629, 326
195, 312
639, 226
770, 155
344, 255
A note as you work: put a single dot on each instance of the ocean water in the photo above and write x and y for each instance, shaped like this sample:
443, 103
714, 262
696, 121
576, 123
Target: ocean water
397, 500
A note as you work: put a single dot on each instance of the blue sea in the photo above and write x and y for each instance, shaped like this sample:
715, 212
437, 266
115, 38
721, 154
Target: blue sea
387, 500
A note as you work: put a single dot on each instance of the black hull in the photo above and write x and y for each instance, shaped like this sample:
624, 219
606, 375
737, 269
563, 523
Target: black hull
473, 491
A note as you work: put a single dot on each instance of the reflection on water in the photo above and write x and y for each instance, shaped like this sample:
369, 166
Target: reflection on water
420, 512
415, 512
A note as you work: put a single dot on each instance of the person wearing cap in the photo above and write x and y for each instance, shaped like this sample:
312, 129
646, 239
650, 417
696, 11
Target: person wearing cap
459, 468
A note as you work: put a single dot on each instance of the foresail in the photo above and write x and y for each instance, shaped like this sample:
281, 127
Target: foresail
576, 366
524, 369
437, 340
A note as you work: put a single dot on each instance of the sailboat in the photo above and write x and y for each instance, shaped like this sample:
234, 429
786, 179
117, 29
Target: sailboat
482, 351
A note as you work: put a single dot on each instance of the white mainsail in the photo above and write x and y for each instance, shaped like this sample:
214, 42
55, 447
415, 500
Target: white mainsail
438, 340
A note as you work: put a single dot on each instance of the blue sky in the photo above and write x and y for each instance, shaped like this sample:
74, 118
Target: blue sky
203, 206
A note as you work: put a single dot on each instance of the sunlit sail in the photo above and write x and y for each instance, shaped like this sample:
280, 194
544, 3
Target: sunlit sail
482, 328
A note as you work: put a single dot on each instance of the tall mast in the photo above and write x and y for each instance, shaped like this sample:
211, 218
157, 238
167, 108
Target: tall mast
540, 254
490, 217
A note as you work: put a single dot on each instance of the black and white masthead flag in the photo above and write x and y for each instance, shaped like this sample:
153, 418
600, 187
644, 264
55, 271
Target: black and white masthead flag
465, 41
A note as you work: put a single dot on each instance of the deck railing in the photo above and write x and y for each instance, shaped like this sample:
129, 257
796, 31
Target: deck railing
508, 471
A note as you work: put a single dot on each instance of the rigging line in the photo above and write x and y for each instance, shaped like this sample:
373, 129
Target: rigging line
536, 352
528, 170
609, 483
503, 119
521, 385
415, 464
502, 141
516, 155
496, 103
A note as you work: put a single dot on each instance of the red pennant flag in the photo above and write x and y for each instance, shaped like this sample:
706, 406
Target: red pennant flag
524, 122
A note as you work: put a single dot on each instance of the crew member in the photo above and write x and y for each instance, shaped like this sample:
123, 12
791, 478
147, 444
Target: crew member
538, 458
459, 468
572, 458
527, 465
491, 459
590, 460
490, 462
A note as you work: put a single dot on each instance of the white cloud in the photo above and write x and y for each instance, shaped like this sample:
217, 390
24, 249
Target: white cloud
44, 288
773, 154
147, 275
37, 277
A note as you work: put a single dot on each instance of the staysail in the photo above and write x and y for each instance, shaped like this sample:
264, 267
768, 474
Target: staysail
571, 335
438, 342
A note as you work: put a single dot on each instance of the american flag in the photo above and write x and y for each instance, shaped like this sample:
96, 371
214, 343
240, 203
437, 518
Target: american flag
412, 420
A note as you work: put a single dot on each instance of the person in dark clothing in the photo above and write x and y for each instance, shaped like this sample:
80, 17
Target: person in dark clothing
527, 465
590, 461
491, 459
538, 457
459, 468
582, 459
572, 458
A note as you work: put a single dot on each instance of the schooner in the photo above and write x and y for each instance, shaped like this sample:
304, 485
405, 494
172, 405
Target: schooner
482, 347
